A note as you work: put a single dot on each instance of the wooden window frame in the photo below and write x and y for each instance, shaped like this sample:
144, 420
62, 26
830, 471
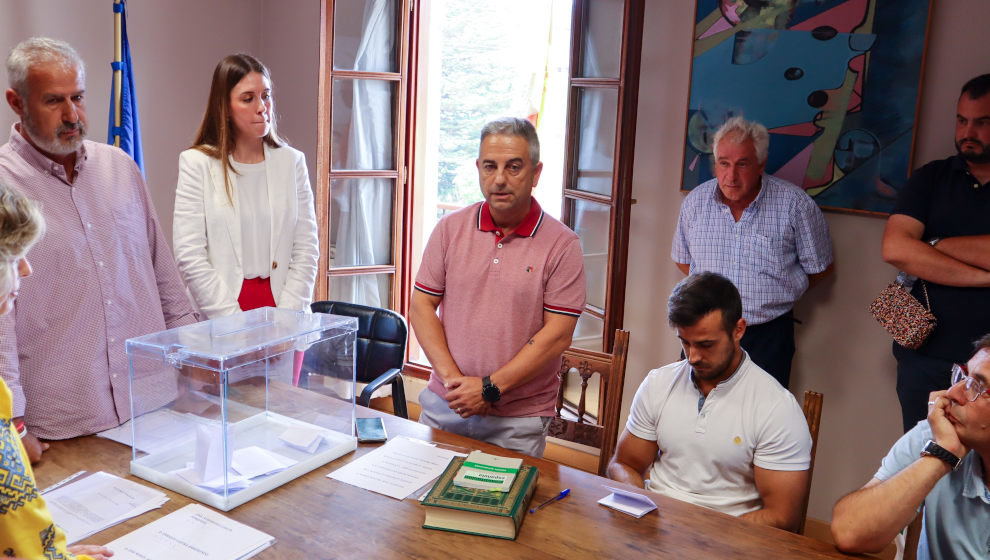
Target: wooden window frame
620, 202
326, 174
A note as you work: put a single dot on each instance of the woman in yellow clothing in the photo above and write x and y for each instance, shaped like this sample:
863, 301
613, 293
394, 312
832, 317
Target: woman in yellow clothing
26, 527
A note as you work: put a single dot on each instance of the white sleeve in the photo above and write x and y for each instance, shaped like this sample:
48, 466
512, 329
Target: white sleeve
208, 289
785, 442
905, 451
297, 292
644, 414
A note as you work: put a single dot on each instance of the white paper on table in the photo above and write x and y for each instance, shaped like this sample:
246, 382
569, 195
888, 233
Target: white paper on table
93, 503
636, 505
191, 532
304, 439
255, 461
160, 429
396, 469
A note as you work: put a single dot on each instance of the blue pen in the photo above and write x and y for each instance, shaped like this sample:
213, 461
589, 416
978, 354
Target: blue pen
552, 500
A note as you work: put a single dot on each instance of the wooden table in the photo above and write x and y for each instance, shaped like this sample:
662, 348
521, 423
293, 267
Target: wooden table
314, 517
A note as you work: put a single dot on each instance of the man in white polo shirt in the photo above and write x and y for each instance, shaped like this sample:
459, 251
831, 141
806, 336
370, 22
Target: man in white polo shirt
715, 429
508, 283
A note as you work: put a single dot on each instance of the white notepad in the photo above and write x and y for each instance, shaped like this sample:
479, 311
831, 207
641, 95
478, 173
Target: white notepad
636, 505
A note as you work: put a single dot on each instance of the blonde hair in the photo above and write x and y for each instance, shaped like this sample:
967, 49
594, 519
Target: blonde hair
21, 225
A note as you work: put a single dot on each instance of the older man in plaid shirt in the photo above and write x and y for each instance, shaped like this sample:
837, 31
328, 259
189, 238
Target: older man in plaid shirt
764, 234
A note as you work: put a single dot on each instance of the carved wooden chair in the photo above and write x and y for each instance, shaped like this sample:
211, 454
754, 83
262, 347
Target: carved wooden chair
598, 428
813, 414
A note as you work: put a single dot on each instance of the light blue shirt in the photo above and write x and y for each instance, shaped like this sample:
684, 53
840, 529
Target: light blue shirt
779, 240
957, 510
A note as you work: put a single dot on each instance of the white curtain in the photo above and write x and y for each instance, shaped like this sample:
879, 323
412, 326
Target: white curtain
365, 205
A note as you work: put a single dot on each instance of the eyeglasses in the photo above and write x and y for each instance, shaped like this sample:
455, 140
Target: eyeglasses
973, 387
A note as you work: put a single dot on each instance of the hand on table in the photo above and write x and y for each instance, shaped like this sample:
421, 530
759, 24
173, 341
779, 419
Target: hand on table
34, 447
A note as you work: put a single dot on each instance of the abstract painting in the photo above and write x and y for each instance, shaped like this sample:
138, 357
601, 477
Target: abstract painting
836, 82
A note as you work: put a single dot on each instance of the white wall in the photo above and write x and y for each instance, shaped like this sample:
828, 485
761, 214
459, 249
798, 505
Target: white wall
841, 351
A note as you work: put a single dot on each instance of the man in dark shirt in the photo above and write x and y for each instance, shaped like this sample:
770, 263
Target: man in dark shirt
939, 232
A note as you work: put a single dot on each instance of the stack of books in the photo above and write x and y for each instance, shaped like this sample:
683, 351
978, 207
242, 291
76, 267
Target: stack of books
481, 511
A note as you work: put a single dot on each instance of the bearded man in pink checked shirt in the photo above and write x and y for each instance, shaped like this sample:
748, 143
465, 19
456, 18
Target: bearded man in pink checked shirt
508, 283
104, 270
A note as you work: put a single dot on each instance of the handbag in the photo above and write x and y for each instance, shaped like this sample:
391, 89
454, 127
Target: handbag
906, 320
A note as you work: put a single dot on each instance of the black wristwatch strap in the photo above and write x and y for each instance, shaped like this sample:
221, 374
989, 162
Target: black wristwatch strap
490, 391
935, 450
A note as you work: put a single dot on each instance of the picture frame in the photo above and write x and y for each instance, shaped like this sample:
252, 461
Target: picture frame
836, 83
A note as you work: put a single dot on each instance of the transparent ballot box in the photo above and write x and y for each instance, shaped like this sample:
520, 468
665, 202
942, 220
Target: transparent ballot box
216, 411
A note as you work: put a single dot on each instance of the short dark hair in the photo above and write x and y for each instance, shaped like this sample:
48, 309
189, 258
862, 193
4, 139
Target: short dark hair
977, 87
983, 343
698, 295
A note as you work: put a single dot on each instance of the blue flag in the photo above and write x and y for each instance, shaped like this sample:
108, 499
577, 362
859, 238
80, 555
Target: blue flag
130, 126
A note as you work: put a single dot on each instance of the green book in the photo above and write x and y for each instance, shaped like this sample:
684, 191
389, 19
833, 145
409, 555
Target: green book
479, 512
488, 472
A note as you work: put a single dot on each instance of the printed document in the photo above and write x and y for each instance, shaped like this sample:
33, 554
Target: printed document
396, 469
194, 531
90, 504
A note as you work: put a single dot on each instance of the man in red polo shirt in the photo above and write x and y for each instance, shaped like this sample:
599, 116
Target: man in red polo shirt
508, 282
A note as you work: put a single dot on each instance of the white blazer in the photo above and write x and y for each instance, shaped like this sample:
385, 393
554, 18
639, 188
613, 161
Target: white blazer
206, 231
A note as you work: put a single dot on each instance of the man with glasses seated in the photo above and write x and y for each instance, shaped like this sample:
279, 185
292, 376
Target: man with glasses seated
940, 465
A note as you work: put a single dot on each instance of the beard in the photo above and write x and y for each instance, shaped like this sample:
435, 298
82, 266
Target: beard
713, 370
55, 146
981, 156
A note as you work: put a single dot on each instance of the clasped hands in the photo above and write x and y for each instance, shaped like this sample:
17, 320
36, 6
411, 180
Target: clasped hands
464, 397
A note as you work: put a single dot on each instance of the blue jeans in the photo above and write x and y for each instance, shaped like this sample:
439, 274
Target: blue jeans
526, 434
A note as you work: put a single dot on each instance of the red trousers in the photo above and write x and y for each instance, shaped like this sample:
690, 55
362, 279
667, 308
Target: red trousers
255, 293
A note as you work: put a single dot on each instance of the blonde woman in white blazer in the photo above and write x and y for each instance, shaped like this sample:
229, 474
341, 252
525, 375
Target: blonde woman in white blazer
244, 228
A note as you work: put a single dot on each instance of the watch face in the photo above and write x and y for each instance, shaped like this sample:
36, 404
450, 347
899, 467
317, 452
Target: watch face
491, 393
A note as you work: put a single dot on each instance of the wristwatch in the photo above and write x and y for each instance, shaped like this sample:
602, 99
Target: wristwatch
933, 449
490, 391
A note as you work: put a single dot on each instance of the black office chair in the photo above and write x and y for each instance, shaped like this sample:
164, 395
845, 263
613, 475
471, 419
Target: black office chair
381, 350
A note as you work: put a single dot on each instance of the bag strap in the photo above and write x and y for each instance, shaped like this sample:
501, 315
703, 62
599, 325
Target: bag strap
924, 289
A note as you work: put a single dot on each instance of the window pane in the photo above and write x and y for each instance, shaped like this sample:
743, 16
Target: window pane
362, 124
361, 222
365, 289
364, 36
590, 221
601, 44
588, 333
596, 139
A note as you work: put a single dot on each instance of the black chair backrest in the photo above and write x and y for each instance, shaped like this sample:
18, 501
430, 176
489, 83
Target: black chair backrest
381, 337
